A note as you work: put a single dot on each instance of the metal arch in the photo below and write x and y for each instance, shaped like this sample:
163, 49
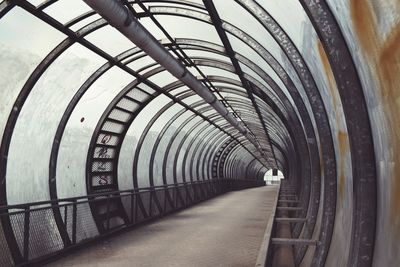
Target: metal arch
209, 154
216, 63
181, 143
325, 133
159, 137
272, 102
216, 20
187, 154
274, 120
6, 6
206, 153
258, 51
262, 96
248, 166
202, 143
177, 154
139, 146
217, 156
56, 25
178, 84
287, 81
210, 64
231, 166
144, 134
40, 69
359, 128
245, 38
223, 156
5, 144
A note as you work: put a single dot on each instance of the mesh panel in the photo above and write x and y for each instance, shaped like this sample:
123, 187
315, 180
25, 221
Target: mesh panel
145, 196
17, 224
128, 207
86, 227
104, 152
119, 115
146, 88
5, 256
138, 95
99, 180
113, 127
66, 214
44, 237
102, 166
128, 104
114, 222
107, 139
182, 193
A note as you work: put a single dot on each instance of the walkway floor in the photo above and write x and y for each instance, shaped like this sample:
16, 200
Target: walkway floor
224, 231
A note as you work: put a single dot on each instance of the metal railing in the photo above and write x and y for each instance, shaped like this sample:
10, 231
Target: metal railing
34, 236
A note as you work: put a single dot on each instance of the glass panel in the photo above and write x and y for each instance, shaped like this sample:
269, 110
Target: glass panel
39, 119
162, 146
207, 152
191, 144
148, 144
19, 58
179, 155
195, 161
36, 2
192, 99
203, 152
77, 26
255, 58
66, 10
114, 44
179, 90
180, 27
141, 62
291, 17
165, 141
129, 145
206, 54
79, 130
163, 78
219, 72
229, 12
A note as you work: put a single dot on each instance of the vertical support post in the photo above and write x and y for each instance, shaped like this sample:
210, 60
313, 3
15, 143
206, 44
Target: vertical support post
133, 219
108, 212
74, 215
151, 203
136, 207
27, 214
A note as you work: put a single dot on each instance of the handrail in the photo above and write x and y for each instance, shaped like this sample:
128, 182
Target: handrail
126, 192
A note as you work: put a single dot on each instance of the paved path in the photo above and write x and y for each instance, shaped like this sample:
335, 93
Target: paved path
224, 231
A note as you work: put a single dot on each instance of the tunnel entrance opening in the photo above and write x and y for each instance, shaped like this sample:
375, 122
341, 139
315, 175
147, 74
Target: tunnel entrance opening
273, 176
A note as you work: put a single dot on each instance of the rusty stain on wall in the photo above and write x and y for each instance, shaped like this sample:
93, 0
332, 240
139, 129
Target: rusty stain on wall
342, 136
384, 57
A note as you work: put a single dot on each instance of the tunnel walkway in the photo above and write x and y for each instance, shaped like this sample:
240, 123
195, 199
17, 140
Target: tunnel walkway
224, 231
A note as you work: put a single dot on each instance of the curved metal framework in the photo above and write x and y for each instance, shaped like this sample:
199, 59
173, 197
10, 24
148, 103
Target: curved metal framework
277, 99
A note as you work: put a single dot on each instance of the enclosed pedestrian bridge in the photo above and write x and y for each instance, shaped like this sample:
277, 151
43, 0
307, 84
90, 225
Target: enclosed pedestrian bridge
140, 133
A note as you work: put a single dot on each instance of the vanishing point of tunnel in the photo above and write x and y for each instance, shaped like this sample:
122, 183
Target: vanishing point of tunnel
200, 133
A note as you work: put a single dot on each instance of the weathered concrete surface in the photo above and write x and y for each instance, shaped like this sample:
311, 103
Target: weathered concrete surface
225, 231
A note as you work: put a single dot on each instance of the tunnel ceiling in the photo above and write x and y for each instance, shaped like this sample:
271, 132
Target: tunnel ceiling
301, 86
